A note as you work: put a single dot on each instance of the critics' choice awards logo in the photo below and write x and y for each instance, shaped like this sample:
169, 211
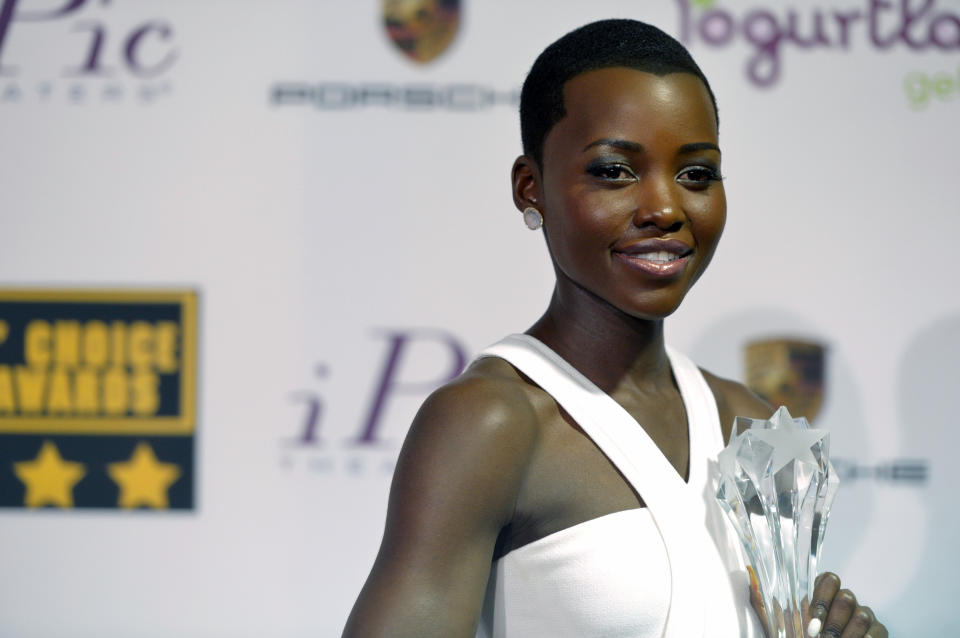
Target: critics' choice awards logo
914, 25
83, 51
97, 396
421, 29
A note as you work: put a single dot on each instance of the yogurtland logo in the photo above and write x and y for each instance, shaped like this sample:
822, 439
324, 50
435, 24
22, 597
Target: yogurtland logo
918, 25
81, 51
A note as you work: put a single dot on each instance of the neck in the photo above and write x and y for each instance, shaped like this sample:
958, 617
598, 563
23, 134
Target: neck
605, 344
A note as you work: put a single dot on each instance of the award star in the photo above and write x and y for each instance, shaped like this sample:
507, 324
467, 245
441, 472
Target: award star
790, 444
143, 479
49, 478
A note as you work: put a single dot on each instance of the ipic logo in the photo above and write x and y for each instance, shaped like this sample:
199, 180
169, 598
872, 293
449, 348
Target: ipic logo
359, 447
83, 49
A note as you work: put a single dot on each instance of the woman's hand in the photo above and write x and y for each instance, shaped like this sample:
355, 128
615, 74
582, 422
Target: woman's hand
834, 612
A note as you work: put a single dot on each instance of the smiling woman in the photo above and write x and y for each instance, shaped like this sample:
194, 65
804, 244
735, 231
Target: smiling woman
616, 192
562, 486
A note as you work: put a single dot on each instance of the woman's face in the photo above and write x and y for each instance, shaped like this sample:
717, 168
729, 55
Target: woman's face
632, 200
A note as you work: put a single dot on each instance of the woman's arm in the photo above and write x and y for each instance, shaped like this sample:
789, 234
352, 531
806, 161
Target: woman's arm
455, 486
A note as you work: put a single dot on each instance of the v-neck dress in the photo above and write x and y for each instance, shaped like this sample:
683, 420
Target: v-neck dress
672, 569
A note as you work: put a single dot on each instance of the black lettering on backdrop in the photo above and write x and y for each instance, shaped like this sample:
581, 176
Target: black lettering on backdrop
338, 96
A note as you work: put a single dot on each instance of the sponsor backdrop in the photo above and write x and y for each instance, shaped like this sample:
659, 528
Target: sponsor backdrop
242, 241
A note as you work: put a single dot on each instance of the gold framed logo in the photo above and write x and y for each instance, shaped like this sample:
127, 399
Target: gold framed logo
98, 395
421, 29
788, 372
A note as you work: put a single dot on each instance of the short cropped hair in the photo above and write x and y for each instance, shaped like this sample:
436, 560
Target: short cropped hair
598, 45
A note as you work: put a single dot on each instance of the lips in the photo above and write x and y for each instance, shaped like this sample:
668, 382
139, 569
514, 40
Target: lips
655, 257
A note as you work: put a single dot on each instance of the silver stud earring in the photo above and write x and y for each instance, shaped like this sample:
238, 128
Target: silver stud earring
532, 218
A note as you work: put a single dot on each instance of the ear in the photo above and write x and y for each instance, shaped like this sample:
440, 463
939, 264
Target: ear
526, 183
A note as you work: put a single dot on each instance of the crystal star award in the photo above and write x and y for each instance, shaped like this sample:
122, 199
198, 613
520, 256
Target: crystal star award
777, 485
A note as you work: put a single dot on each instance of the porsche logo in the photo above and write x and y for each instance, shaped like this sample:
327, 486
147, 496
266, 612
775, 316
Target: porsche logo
788, 372
421, 29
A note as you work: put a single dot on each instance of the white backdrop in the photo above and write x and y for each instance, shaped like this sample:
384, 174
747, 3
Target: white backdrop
338, 207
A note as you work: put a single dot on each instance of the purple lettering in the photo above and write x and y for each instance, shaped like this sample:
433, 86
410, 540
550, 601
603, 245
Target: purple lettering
716, 27
945, 32
91, 66
314, 411
6, 17
876, 7
818, 37
844, 19
312, 421
760, 29
909, 17
398, 344
8, 9
684, 21
135, 41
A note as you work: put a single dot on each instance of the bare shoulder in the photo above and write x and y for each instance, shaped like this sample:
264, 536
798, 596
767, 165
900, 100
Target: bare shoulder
472, 440
735, 399
489, 405
455, 486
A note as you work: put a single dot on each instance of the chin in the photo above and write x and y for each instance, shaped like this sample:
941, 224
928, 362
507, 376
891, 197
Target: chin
648, 311
653, 306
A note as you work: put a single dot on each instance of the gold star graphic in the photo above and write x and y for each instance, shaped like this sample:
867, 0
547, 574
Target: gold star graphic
49, 478
143, 480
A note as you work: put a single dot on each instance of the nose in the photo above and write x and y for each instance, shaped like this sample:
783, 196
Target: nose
659, 205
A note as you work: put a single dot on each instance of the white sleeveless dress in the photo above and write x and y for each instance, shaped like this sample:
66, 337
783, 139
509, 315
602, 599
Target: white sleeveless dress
670, 570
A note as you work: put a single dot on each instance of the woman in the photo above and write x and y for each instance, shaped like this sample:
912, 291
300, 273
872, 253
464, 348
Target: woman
516, 504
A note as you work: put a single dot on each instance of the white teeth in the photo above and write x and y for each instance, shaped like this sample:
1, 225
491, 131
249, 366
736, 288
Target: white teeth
659, 257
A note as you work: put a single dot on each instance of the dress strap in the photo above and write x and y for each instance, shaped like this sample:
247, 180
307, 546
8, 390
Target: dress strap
672, 506
703, 418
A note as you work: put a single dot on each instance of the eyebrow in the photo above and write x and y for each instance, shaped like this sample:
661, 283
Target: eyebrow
621, 144
633, 147
699, 146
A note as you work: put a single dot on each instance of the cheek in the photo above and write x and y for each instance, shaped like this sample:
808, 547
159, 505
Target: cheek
707, 218
585, 220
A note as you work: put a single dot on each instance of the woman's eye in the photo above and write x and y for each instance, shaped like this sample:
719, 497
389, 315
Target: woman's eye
612, 172
698, 176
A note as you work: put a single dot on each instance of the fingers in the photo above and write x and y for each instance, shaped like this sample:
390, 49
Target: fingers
825, 590
841, 611
837, 613
859, 623
863, 624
